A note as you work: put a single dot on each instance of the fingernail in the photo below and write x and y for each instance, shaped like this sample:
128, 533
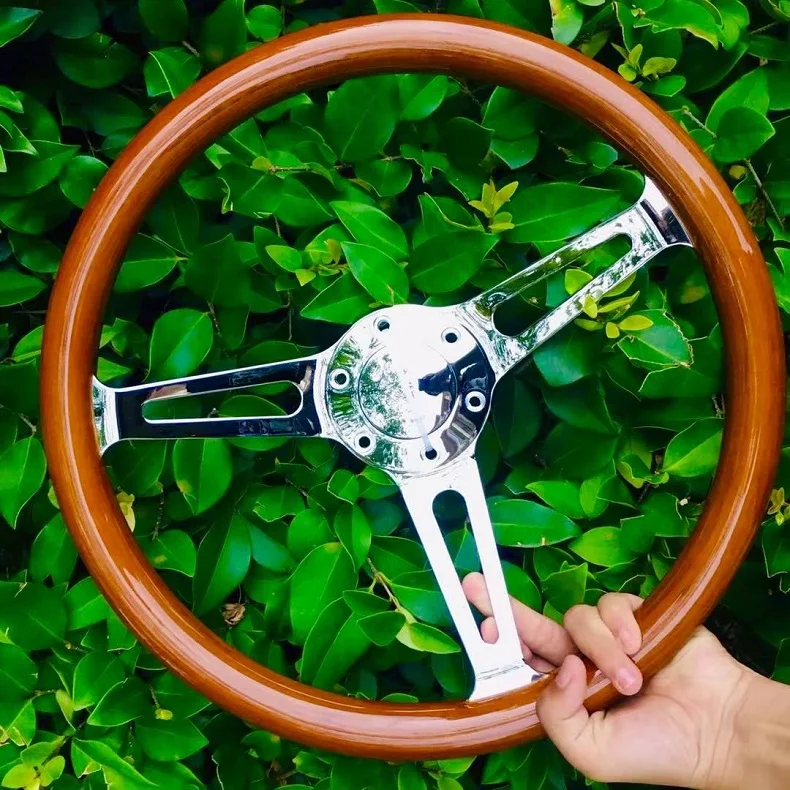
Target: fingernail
565, 675
626, 679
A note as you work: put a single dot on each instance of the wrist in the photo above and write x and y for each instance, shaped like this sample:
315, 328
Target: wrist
756, 752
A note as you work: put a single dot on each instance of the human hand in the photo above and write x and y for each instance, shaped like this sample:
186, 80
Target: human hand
679, 728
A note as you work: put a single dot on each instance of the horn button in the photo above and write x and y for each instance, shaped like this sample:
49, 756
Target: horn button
408, 389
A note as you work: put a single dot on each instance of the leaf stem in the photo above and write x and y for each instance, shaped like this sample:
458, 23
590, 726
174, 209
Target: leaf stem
764, 192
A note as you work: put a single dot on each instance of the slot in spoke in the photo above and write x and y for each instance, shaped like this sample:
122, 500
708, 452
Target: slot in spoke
498, 667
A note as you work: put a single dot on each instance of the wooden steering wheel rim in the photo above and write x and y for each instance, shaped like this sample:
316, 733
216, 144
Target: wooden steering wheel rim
326, 54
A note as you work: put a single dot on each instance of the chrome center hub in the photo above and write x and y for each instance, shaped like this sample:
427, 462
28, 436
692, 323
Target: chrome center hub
406, 392
408, 389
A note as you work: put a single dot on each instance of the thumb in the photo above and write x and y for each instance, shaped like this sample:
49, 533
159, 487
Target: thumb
562, 713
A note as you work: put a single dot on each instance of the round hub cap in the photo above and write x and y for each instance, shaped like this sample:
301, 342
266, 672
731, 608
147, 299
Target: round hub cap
406, 392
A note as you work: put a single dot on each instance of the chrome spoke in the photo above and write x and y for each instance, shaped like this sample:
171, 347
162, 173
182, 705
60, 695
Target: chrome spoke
498, 667
118, 412
651, 226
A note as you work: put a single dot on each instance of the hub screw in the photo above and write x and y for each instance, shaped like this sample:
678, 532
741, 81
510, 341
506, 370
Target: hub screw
475, 401
339, 379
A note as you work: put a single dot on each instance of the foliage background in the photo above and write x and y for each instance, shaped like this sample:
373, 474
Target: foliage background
598, 456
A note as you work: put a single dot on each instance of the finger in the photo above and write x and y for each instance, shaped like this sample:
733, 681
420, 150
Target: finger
562, 713
617, 611
490, 634
541, 635
593, 638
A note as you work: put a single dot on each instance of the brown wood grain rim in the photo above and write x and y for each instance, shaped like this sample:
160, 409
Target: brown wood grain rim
327, 54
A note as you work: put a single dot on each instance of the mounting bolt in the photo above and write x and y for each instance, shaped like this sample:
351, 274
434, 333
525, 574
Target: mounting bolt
339, 379
475, 401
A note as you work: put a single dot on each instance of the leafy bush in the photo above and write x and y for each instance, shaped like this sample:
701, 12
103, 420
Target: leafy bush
598, 456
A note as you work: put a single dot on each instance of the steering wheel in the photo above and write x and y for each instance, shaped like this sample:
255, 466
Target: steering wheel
408, 388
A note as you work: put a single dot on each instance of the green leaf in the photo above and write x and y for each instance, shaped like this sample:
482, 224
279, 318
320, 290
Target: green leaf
517, 416
776, 548
567, 357
372, 227
561, 495
751, 91
16, 287
95, 61
166, 19
16, 21
427, 639
85, 605
148, 261
567, 19
566, 587
557, 211
216, 272
382, 627
21, 776
582, 405
223, 34
170, 71
353, 529
377, 273
519, 522
17, 722
695, 451
321, 577
661, 345
22, 469
180, 341
308, 530
223, 560
511, 114
602, 546
35, 618
174, 695
342, 302
124, 702
18, 673
53, 554
172, 550
696, 18
265, 22
276, 502
135, 467
421, 95
742, 131
94, 676
388, 177
335, 643
445, 263
108, 758
361, 116
33, 173
165, 740
203, 470
80, 177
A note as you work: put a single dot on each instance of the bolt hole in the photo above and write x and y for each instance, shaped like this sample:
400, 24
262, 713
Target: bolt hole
339, 379
475, 401
382, 325
450, 336
431, 454
364, 442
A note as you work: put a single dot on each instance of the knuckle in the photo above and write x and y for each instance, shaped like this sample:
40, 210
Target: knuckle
575, 616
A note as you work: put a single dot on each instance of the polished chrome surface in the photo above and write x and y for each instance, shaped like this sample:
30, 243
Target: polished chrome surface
118, 412
500, 666
649, 224
408, 389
